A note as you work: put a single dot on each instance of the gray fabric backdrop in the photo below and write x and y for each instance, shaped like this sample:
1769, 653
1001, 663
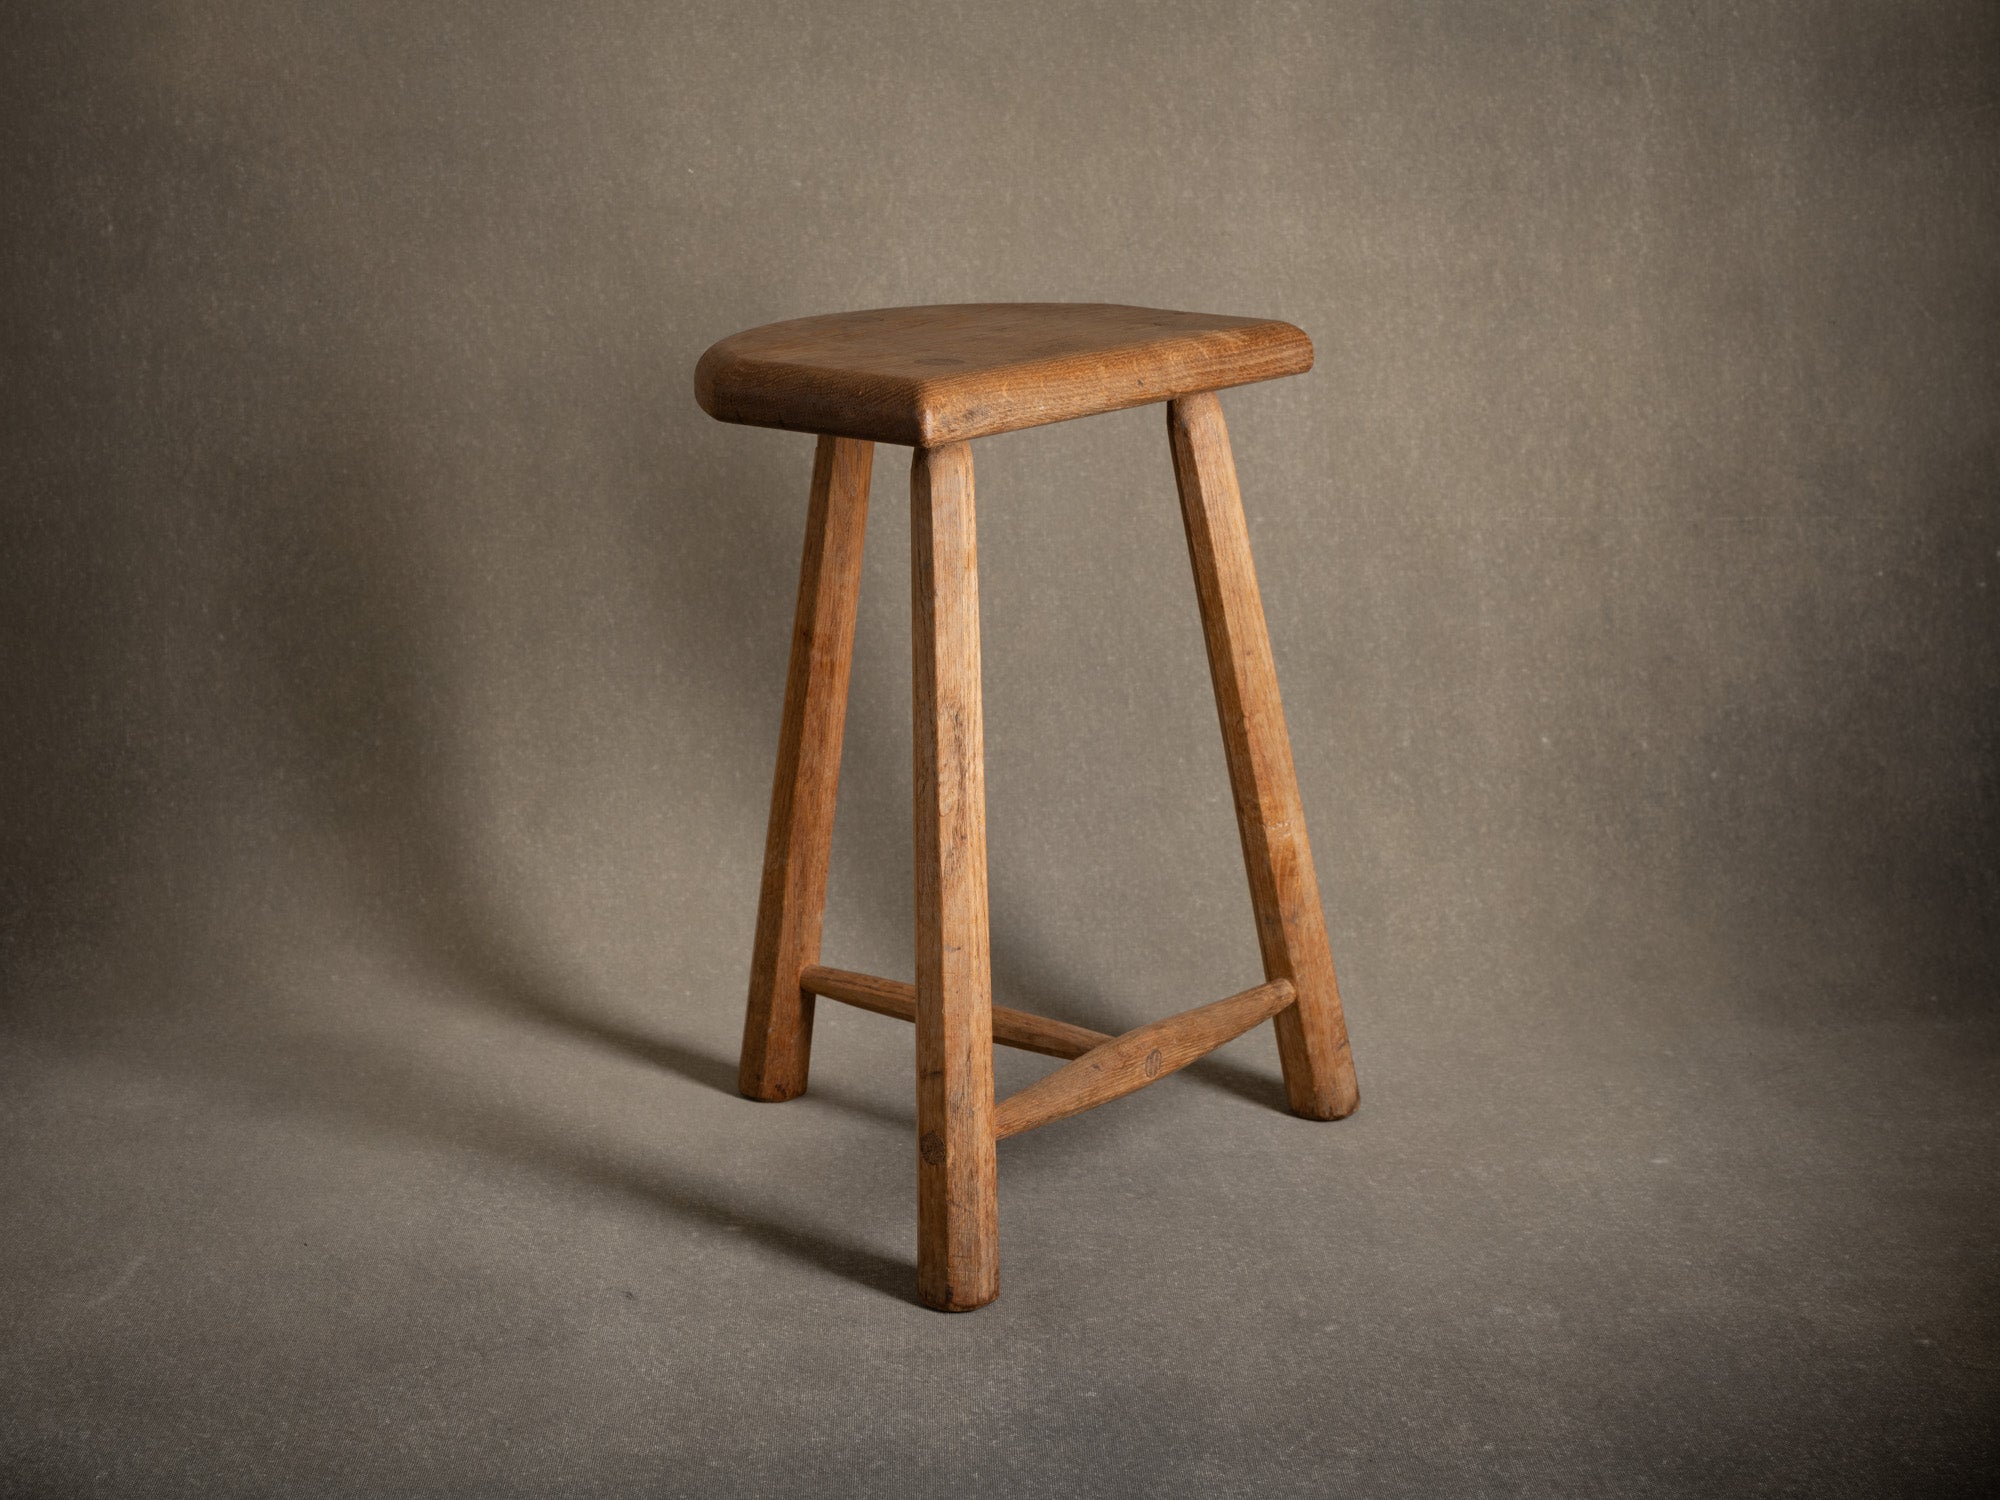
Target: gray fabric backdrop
393, 659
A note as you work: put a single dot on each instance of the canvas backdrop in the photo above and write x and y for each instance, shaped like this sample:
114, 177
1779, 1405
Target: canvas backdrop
393, 662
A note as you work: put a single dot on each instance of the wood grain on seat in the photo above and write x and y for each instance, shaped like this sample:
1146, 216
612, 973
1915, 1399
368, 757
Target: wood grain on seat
927, 376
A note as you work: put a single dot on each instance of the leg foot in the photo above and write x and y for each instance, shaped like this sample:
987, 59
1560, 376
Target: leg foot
1284, 891
777, 1026
958, 1265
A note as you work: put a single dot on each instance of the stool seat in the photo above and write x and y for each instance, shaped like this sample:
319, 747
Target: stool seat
927, 376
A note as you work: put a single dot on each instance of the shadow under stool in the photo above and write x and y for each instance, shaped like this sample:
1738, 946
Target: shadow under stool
934, 378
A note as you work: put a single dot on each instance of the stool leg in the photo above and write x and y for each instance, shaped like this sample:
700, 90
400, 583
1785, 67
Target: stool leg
777, 1026
958, 1265
1291, 928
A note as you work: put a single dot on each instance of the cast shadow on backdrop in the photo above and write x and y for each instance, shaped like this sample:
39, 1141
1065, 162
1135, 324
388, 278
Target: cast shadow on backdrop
351, 672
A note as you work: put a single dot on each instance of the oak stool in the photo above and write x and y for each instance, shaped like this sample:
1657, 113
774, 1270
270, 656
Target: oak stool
934, 378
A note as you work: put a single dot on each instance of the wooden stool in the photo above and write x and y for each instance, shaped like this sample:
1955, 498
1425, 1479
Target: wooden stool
935, 378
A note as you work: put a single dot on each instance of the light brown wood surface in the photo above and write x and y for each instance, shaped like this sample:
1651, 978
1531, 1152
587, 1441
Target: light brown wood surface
1130, 1062
934, 377
777, 1026
958, 1249
1011, 1028
1284, 890
928, 376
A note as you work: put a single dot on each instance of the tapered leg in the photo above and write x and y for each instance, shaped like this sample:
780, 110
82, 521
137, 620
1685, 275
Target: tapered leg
777, 1026
958, 1265
1291, 928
